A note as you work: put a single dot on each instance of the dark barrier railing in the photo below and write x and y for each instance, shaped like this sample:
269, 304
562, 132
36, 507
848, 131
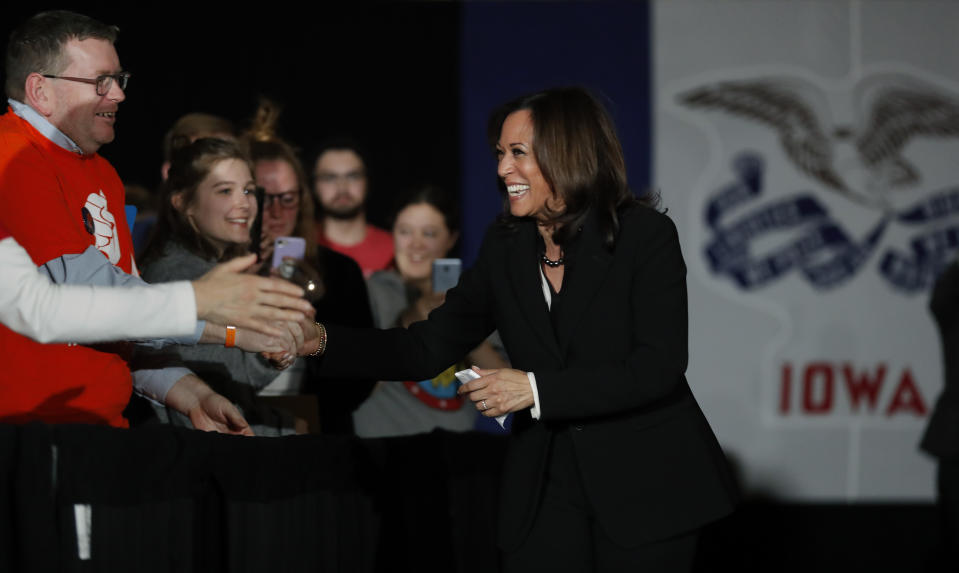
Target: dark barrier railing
161, 499
91, 498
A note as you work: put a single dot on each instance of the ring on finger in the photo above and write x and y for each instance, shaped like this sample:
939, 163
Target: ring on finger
485, 407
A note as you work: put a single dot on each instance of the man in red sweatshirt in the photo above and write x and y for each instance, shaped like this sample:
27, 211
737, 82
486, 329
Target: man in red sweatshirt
65, 205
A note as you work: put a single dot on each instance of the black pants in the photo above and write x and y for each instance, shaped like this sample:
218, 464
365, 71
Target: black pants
565, 535
947, 502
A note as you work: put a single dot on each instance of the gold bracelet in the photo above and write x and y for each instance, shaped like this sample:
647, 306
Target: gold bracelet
321, 346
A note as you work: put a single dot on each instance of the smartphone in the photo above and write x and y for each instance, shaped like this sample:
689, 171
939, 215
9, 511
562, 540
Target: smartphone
446, 273
283, 247
257, 229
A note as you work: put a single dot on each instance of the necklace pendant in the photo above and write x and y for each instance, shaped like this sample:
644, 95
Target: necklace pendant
550, 262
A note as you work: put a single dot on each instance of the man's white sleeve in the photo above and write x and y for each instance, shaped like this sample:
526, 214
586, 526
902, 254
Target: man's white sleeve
31, 305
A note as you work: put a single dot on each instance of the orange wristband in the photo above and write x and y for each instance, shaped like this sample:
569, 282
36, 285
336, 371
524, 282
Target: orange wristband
230, 341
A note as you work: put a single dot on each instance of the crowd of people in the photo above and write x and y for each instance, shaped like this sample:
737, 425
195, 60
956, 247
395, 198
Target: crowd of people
203, 214
573, 319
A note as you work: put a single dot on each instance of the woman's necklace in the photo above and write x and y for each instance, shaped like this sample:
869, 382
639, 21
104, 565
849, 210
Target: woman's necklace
542, 256
550, 262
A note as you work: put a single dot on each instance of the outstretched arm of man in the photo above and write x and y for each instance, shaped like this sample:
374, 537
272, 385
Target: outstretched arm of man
33, 306
225, 295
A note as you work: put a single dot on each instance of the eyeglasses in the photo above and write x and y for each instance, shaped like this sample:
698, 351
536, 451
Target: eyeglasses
287, 200
350, 177
103, 82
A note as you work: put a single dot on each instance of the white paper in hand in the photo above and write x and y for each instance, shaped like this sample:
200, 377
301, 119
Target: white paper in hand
465, 376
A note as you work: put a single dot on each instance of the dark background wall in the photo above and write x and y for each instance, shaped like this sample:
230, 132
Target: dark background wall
384, 72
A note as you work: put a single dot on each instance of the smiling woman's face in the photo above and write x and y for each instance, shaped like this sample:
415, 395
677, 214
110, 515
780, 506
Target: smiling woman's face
420, 235
224, 205
529, 193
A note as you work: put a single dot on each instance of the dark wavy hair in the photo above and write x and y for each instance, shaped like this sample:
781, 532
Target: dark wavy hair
189, 166
579, 155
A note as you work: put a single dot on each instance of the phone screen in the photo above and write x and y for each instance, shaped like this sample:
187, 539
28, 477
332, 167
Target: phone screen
446, 273
283, 247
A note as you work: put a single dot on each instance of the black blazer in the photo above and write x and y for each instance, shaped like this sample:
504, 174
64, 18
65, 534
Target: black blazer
611, 373
344, 302
941, 438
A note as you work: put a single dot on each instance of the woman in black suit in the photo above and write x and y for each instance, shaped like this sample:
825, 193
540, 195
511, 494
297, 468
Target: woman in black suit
611, 464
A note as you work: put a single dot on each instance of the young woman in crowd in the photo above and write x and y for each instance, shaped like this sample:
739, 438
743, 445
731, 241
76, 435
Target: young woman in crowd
425, 228
207, 207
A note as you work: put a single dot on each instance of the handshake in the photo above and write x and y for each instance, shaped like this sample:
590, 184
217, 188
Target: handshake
257, 314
